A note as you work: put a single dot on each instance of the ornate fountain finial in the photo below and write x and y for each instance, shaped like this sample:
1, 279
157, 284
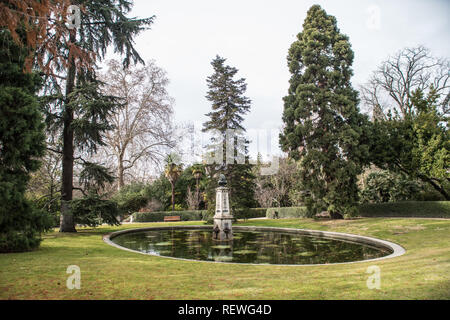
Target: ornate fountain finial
222, 180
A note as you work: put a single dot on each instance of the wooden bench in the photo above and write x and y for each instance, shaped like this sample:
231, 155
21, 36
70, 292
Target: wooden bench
172, 218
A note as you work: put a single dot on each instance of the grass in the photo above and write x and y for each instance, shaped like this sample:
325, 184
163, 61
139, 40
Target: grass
110, 273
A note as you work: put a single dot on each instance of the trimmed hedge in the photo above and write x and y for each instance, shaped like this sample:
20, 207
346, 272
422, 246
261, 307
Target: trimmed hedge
158, 216
430, 209
289, 212
194, 215
250, 213
419, 209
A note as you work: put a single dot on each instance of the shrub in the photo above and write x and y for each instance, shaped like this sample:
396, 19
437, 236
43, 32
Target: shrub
426, 209
384, 186
288, 212
250, 213
92, 211
194, 215
22, 231
178, 207
131, 198
429, 194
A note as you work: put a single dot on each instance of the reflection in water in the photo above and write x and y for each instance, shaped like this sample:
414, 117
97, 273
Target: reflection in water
268, 247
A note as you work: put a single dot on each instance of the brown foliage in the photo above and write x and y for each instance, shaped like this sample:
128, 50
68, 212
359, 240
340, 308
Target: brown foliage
44, 23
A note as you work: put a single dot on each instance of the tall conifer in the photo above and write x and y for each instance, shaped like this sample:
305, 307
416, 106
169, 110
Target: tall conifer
76, 108
323, 125
229, 105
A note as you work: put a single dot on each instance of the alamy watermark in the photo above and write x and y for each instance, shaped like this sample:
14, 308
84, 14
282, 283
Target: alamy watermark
373, 22
73, 17
232, 148
74, 280
374, 280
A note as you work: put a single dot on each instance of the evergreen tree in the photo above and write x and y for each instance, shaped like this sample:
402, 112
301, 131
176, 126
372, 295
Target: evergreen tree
76, 109
418, 145
229, 104
22, 141
323, 125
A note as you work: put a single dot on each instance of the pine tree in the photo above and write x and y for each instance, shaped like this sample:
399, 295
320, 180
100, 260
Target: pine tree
79, 112
22, 142
229, 104
323, 125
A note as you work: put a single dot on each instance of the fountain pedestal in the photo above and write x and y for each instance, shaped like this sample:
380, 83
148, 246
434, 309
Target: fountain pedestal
222, 219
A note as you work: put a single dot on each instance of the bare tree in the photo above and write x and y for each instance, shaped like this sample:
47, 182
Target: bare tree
143, 127
391, 85
264, 193
192, 199
276, 189
46, 183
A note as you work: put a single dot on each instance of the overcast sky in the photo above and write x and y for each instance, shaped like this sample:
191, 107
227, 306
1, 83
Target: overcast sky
254, 36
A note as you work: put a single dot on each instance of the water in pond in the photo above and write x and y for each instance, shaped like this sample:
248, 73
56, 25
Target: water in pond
260, 247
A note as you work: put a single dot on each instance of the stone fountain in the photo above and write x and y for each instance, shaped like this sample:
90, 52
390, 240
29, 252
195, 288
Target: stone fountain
222, 218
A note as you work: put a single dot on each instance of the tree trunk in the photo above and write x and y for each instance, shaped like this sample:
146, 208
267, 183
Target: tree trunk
120, 178
67, 223
437, 187
173, 196
197, 196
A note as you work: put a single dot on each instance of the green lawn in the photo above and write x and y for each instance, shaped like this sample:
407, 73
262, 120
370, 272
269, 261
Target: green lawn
110, 273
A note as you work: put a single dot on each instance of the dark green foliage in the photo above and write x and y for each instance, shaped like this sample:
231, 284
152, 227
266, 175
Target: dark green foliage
323, 126
229, 104
21, 225
428, 193
94, 177
288, 212
93, 211
21, 144
160, 190
428, 209
93, 110
249, 213
384, 186
131, 198
158, 216
227, 98
106, 24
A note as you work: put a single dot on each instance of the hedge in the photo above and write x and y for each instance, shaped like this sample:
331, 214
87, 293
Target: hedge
250, 213
288, 212
195, 215
158, 216
431, 209
420, 209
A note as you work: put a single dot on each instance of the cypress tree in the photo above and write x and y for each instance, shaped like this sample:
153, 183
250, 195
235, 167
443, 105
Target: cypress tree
229, 104
22, 141
323, 125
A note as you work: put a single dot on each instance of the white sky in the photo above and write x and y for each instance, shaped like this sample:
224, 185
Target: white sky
254, 36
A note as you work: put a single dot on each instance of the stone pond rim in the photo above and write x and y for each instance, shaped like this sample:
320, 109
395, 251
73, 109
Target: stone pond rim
396, 249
